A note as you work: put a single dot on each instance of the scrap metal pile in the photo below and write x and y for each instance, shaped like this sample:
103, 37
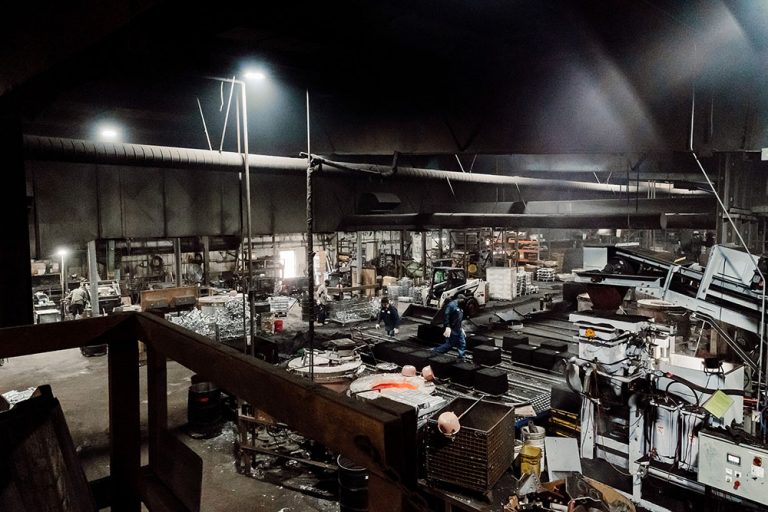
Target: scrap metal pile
573, 494
354, 310
221, 323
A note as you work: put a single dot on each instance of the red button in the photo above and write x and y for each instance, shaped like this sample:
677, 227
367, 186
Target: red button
736, 485
757, 461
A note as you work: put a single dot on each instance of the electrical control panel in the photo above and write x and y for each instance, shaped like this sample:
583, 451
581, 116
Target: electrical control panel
738, 469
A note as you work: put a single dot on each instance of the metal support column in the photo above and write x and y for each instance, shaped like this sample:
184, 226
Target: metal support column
359, 259
310, 272
16, 277
400, 270
206, 260
177, 259
93, 278
110, 259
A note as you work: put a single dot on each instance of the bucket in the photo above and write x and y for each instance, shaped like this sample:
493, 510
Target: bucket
204, 409
353, 486
518, 447
530, 460
93, 350
534, 436
278, 325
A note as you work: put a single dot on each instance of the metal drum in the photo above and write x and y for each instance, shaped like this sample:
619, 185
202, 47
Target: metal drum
353, 486
204, 411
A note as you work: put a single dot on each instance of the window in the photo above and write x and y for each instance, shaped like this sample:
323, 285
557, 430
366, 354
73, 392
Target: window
288, 260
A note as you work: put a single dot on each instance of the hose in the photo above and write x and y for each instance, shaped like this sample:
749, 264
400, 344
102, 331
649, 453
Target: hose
692, 385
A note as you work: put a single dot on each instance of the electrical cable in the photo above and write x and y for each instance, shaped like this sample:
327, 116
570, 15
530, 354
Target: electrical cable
695, 395
692, 385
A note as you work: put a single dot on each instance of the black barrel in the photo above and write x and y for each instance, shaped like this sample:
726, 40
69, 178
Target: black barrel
306, 309
204, 409
353, 486
93, 350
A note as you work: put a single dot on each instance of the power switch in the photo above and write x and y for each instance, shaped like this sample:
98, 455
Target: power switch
736, 485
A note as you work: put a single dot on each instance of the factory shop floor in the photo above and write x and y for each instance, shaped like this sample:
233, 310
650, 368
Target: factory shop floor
80, 384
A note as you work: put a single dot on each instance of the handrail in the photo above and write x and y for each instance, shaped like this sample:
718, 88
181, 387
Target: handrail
380, 435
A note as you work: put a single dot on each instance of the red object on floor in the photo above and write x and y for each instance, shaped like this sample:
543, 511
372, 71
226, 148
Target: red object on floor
278, 325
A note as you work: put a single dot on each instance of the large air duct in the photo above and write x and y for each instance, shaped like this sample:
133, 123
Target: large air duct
417, 221
74, 150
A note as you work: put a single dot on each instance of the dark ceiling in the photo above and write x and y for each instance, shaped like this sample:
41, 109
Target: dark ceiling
419, 77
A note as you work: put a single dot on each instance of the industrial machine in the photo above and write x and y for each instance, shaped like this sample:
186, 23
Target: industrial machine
109, 295
658, 413
450, 282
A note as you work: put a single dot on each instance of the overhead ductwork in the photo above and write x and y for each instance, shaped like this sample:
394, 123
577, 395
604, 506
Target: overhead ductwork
596, 207
74, 150
419, 221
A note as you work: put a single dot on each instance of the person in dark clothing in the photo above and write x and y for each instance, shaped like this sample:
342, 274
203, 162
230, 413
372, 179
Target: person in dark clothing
388, 316
77, 300
453, 334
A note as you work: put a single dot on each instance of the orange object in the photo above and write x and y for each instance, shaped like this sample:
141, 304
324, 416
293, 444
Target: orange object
389, 385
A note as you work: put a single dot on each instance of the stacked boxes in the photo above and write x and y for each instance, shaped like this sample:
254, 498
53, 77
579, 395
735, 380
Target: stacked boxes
502, 282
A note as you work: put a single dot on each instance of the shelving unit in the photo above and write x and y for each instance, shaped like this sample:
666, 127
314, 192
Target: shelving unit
527, 251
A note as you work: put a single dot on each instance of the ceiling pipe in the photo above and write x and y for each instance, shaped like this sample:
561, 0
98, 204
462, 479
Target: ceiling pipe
595, 207
115, 153
512, 220
517, 181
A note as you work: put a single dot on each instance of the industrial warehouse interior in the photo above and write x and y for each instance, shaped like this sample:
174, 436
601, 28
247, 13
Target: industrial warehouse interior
384, 256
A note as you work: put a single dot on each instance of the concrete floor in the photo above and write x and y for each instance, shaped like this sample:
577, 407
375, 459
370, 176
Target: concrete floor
80, 384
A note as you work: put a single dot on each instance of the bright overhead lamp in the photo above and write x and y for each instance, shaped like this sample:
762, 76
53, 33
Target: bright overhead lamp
255, 75
62, 252
108, 132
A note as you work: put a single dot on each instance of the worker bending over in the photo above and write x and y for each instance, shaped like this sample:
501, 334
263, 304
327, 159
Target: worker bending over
388, 316
453, 334
77, 300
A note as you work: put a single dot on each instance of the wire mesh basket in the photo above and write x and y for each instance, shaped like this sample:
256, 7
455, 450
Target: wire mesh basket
480, 452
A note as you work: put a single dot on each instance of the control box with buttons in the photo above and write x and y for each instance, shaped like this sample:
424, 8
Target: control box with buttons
738, 469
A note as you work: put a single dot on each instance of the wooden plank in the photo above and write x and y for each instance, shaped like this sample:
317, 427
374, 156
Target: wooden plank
39, 469
124, 433
384, 495
344, 425
102, 492
36, 339
157, 398
155, 495
180, 470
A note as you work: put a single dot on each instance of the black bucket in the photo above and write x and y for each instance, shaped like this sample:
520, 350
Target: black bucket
353, 486
204, 411
93, 350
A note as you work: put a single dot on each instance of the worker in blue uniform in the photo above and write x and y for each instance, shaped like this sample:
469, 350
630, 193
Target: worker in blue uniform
453, 334
388, 316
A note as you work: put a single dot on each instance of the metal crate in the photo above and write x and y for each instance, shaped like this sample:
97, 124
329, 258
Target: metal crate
481, 451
